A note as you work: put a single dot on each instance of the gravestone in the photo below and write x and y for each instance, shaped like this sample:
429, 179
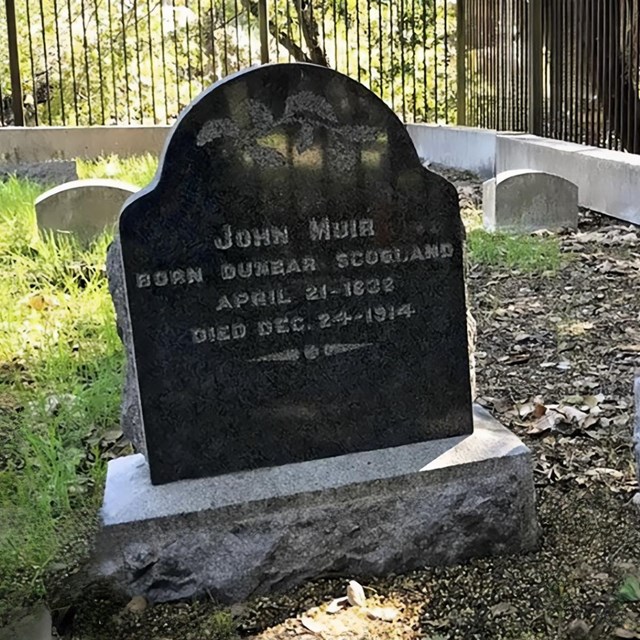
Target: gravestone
83, 208
293, 286
522, 201
294, 282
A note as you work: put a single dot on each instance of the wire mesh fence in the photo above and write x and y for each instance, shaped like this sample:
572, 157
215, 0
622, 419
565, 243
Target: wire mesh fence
86, 62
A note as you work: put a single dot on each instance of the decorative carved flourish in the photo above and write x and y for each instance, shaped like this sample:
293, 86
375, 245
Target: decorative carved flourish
265, 140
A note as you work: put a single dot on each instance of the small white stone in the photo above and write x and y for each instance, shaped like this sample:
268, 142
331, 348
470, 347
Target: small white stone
137, 604
388, 614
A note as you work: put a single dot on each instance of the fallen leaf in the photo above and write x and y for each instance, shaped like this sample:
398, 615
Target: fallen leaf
572, 414
502, 608
355, 594
337, 604
630, 348
539, 410
525, 410
40, 301
592, 401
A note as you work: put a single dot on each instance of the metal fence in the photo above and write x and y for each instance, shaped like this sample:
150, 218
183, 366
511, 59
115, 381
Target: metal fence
140, 61
495, 39
567, 69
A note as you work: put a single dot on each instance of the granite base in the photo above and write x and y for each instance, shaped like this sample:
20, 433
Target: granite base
364, 514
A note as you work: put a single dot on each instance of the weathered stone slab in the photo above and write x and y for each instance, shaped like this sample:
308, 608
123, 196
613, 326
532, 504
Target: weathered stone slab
524, 201
130, 416
49, 174
294, 281
84, 208
35, 624
365, 514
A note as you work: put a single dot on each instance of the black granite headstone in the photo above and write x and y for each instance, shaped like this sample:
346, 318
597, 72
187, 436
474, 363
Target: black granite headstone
295, 281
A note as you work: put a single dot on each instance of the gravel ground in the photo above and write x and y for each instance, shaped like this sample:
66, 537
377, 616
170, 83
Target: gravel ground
556, 354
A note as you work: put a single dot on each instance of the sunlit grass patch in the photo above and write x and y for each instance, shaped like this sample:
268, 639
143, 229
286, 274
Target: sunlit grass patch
60, 377
530, 254
137, 170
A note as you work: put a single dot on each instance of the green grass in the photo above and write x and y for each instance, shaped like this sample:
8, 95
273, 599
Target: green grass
528, 254
137, 170
60, 378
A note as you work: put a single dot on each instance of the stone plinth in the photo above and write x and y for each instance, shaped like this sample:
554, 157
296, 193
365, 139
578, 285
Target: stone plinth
362, 514
523, 201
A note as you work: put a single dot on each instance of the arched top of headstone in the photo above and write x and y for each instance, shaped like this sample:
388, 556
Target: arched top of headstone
294, 127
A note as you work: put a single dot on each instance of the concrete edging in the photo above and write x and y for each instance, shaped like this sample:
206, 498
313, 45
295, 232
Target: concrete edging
608, 181
457, 147
40, 144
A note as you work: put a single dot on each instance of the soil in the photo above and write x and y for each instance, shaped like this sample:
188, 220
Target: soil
556, 355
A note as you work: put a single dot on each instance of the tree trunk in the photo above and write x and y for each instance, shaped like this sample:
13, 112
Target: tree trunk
309, 29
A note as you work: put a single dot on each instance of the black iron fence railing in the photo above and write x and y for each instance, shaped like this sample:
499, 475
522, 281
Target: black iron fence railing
140, 61
567, 69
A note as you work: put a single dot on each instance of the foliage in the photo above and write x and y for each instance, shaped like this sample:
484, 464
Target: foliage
630, 589
142, 61
221, 626
60, 377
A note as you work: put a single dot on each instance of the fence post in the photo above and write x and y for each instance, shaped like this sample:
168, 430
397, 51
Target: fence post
461, 64
263, 23
535, 67
14, 64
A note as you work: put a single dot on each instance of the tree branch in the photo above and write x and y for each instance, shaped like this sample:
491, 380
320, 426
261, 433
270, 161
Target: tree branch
281, 36
310, 32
